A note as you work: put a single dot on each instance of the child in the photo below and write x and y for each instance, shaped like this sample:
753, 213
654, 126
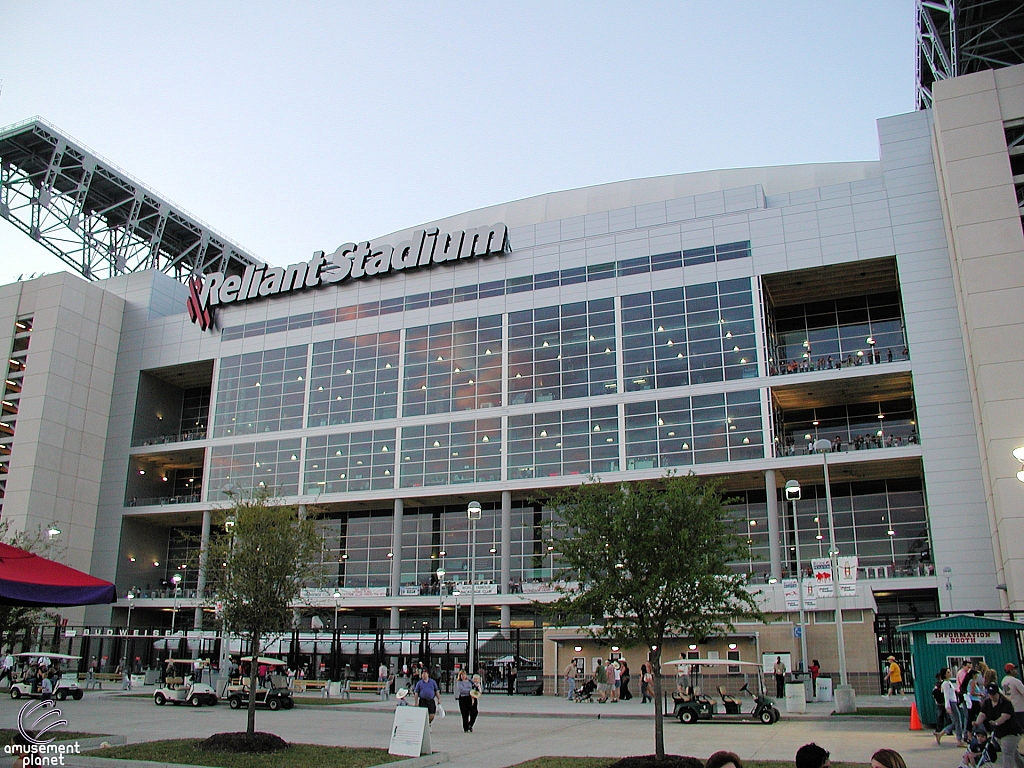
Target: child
980, 751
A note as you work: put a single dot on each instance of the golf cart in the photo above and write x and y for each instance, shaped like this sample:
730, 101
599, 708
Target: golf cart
273, 694
179, 687
64, 686
692, 704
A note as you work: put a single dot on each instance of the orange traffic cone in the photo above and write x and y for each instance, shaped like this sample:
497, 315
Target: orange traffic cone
915, 721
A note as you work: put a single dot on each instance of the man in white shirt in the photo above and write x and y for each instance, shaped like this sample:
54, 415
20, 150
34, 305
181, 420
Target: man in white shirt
1013, 689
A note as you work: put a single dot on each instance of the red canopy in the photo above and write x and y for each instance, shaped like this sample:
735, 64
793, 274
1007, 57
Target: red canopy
28, 579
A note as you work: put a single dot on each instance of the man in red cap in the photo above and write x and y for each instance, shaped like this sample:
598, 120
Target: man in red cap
1013, 689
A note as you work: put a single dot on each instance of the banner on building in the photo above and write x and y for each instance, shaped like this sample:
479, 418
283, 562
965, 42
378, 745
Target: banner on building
822, 569
962, 638
791, 591
810, 592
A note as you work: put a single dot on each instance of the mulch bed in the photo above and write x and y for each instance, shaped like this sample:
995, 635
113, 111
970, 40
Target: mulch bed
260, 741
651, 761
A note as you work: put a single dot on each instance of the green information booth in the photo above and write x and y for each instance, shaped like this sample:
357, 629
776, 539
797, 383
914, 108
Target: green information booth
946, 642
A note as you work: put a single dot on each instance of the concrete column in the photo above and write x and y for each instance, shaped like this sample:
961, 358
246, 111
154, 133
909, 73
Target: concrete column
506, 554
204, 556
774, 535
396, 559
302, 511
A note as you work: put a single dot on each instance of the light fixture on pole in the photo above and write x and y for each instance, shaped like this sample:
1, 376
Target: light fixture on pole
474, 512
130, 596
51, 533
792, 493
824, 447
176, 581
441, 573
1018, 454
337, 597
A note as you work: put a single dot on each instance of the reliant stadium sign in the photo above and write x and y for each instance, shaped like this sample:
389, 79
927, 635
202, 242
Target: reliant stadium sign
350, 261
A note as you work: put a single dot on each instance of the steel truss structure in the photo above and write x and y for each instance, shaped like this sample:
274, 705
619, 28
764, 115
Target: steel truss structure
98, 219
957, 37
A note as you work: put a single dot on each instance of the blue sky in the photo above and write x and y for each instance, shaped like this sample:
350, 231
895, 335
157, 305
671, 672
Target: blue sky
293, 127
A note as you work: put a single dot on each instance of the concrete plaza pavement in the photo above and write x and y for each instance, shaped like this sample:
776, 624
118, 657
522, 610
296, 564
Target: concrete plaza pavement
513, 729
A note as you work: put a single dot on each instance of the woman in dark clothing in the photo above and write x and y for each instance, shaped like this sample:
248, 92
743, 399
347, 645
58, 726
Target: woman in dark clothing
624, 693
464, 695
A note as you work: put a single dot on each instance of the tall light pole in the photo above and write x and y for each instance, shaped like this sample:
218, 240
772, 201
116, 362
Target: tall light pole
52, 532
130, 596
793, 496
824, 447
176, 581
337, 597
474, 512
441, 573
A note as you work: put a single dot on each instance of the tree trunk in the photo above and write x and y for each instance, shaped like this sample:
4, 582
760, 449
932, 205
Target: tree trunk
250, 727
654, 657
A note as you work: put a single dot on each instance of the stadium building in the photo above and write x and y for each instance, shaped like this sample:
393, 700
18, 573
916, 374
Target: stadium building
719, 322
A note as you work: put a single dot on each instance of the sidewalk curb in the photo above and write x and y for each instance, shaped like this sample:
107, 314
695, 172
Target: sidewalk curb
423, 761
83, 761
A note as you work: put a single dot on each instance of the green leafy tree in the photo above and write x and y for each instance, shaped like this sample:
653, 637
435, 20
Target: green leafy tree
650, 560
18, 619
266, 554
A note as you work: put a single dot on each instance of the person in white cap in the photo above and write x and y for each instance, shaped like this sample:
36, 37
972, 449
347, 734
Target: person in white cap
1013, 689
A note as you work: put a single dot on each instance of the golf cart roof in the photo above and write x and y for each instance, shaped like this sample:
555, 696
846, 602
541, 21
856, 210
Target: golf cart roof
710, 663
266, 660
40, 655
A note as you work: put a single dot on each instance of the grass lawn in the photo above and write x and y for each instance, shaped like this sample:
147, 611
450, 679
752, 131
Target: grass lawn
6, 734
296, 756
603, 762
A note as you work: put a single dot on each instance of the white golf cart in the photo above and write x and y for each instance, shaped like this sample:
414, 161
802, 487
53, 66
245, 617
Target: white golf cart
66, 684
274, 694
731, 679
180, 687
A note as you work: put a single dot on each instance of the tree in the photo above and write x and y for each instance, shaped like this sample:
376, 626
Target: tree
20, 619
650, 560
266, 554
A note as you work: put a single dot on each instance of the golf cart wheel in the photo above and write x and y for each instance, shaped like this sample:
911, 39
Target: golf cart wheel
775, 712
234, 702
211, 701
767, 717
77, 695
687, 716
15, 692
195, 701
288, 703
274, 704
61, 695
159, 699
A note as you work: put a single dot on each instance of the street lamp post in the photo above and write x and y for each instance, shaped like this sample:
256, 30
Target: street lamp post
337, 597
474, 512
51, 533
441, 573
130, 596
176, 581
843, 704
793, 496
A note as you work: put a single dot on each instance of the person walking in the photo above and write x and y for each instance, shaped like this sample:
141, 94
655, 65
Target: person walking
616, 674
601, 680
973, 692
893, 678
997, 711
815, 670
780, 678
952, 707
512, 674
940, 700
625, 677
644, 683
7, 669
1013, 689
570, 679
609, 676
464, 696
427, 694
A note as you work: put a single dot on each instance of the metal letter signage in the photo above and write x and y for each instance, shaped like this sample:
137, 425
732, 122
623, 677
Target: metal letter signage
350, 261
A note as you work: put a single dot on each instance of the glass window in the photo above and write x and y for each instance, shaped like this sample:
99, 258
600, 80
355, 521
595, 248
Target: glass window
243, 468
251, 389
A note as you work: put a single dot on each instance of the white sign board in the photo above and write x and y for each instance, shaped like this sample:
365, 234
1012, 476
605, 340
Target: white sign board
410, 734
822, 568
810, 595
962, 638
791, 592
847, 570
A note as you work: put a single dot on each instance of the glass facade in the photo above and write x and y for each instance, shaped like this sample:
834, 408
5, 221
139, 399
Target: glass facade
244, 467
450, 453
261, 392
580, 441
352, 461
354, 379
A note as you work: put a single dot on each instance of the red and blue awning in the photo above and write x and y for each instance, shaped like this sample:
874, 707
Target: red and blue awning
30, 580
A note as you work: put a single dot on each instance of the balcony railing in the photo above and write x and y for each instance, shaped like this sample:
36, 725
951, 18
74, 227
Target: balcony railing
185, 498
176, 437
828, 362
867, 443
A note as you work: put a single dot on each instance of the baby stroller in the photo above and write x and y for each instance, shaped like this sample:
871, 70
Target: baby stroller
981, 750
585, 692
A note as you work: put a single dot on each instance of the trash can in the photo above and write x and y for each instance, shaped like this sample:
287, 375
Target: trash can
824, 689
138, 681
795, 701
